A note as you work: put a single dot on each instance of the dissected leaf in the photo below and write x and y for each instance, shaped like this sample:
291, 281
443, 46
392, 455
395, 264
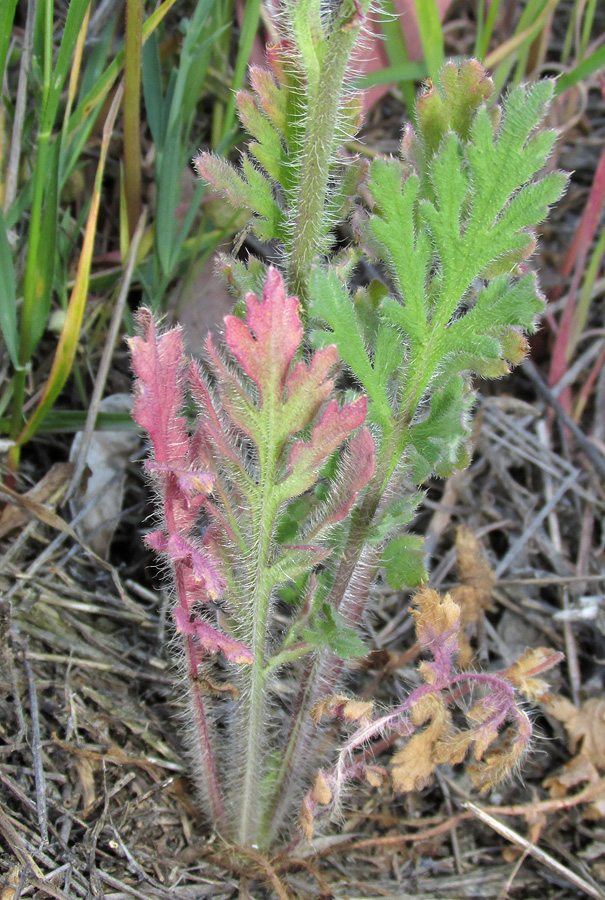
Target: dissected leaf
585, 726
210, 640
413, 766
341, 707
403, 561
437, 625
523, 674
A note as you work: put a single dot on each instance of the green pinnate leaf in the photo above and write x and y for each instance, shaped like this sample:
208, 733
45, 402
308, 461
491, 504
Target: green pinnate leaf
331, 430
450, 103
403, 562
253, 192
329, 630
439, 443
407, 251
269, 150
273, 99
398, 513
332, 303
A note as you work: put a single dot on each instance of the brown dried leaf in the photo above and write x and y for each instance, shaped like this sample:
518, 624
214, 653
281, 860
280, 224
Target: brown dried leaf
533, 662
435, 616
586, 725
208, 686
321, 792
453, 747
48, 490
375, 775
414, 764
497, 764
305, 820
341, 707
476, 577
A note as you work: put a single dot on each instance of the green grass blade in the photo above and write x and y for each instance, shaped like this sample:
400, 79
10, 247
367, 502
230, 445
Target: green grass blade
583, 70
68, 342
73, 22
246, 40
152, 90
8, 298
97, 94
68, 421
7, 15
46, 254
484, 35
431, 35
396, 74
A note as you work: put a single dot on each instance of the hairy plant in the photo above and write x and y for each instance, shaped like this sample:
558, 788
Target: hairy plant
321, 417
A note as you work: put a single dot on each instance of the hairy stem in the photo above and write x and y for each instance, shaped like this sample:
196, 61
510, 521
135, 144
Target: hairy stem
322, 674
323, 109
256, 677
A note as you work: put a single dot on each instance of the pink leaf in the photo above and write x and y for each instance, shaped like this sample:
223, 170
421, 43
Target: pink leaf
307, 389
189, 481
334, 426
211, 640
202, 568
266, 343
157, 540
358, 468
160, 366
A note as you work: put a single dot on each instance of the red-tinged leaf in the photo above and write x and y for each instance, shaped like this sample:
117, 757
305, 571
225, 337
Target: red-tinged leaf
332, 429
308, 389
210, 640
211, 435
358, 468
270, 97
189, 481
202, 568
266, 343
157, 540
160, 366
224, 178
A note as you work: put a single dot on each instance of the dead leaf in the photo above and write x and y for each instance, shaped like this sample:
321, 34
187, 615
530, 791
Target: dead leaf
522, 674
47, 491
473, 594
585, 725
341, 707
305, 820
414, 765
87, 781
321, 792
102, 493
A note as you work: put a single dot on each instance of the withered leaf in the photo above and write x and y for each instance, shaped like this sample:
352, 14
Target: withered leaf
321, 792
414, 764
586, 724
533, 662
305, 820
341, 707
477, 579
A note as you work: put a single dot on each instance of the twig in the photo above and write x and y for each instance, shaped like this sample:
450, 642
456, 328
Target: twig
594, 454
521, 541
37, 755
16, 843
544, 858
106, 357
22, 882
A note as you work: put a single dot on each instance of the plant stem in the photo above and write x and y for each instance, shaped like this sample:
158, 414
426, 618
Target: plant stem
249, 817
322, 673
323, 109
